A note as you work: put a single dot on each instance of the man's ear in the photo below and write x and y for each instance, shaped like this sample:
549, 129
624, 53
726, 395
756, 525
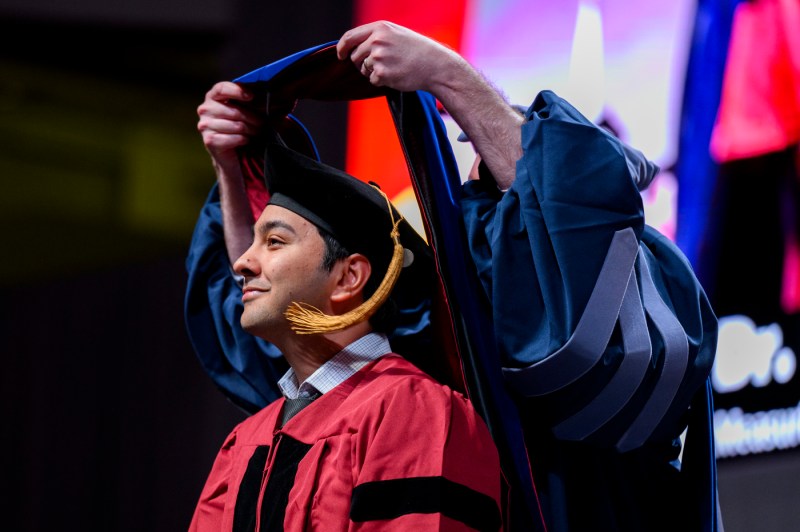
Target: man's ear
353, 273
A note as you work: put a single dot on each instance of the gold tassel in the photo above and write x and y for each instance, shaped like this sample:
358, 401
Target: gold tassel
307, 319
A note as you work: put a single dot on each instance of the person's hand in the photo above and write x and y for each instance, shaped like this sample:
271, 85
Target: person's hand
226, 122
396, 57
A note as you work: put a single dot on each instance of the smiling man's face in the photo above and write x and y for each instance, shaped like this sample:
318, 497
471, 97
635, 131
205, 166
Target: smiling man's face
283, 265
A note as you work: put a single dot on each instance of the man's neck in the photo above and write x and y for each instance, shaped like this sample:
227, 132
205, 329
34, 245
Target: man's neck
306, 353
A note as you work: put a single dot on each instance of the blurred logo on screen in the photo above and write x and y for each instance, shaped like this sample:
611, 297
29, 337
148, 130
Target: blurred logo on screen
750, 355
752, 376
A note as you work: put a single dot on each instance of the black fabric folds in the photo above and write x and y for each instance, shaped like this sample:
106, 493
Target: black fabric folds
388, 499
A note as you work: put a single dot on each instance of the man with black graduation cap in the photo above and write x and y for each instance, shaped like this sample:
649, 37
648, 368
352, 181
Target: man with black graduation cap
361, 438
632, 486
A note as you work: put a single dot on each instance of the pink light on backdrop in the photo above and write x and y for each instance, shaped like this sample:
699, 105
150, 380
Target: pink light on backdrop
524, 47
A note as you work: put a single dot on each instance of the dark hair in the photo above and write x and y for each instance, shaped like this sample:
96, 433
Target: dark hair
385, 319
334, 251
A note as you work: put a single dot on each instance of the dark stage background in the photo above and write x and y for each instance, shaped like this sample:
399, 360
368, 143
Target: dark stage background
109, 421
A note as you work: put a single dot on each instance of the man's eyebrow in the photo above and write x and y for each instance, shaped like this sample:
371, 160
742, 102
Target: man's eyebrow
265, 227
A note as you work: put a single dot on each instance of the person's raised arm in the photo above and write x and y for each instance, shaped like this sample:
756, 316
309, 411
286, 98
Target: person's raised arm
396, 57
225, 125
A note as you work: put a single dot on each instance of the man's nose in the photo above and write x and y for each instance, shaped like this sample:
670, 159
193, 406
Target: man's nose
246, 266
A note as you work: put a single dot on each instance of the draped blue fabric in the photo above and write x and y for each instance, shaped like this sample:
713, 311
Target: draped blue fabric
540, 250
267, 72
518, 270
563, 216
439, 190
247, 369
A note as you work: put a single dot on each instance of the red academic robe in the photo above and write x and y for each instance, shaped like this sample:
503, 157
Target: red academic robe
388, 449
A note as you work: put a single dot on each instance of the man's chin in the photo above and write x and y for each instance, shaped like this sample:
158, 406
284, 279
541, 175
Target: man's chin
252, 327
256, 327
250, 324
